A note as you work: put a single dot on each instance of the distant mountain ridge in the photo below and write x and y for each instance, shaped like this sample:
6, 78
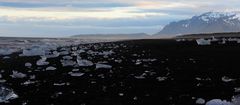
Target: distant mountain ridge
210, 22
113, 36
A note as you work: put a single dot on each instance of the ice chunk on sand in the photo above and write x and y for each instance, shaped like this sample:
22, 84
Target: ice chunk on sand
51, 68
103, 66
42, 61
28, 64
84, 63
200, 101
68, 63
7, 94
16, 74
203, 42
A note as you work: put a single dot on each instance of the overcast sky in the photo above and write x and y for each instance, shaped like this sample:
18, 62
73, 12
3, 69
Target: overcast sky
59, 18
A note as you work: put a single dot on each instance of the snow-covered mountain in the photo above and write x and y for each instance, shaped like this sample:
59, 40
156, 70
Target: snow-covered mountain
210, 22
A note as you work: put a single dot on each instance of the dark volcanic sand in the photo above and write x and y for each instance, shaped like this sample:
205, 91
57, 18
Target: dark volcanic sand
180, 62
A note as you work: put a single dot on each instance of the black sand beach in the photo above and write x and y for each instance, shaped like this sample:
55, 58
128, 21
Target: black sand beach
144, 72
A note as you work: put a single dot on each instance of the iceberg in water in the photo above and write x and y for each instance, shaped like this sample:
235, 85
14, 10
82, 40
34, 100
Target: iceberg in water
7, 94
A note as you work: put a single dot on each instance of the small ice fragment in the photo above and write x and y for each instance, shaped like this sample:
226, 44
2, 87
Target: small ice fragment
3, 80
76, 74
135, 98
42, 61
134, 55
200, 101
121, 94
50, 68
6, 57
106, 53
61, 84
118, 61
103, 66
68, 63
75, 70
84, 63
67, 57
7, 94
28, 64
74, 48
138, 62
53, 55
237, 89
28, 82
32, 77
203, 42
64, 53
227, 79
141, 76
160, 79
80, 51
17, 74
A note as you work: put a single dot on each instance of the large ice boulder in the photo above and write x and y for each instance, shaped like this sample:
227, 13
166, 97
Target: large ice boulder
218, 102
